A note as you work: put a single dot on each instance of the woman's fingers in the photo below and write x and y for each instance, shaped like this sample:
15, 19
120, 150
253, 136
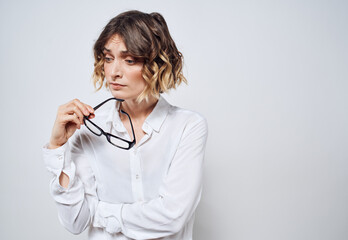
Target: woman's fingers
85, 109
79, 109
90, 109
72, 118
74, 111
69, 118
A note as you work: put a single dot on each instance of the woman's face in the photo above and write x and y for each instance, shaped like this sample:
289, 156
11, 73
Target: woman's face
122, 72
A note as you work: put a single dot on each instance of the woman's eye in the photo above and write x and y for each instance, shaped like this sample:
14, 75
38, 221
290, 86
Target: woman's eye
107, 59
130, 61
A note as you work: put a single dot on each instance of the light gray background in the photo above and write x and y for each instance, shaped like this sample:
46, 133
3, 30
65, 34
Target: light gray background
270, 76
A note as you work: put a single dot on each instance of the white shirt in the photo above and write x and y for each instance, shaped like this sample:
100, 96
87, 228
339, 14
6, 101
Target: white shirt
148, 192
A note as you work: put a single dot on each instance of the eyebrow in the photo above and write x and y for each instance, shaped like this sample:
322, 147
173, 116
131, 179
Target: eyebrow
123, 53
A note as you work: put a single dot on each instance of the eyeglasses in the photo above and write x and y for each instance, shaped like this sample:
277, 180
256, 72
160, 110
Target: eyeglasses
114, 140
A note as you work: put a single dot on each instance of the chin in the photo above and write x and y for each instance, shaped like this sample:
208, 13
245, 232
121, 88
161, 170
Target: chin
118, 95
122, 95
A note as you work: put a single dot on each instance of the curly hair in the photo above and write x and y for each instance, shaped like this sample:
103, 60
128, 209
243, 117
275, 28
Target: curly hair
146, 37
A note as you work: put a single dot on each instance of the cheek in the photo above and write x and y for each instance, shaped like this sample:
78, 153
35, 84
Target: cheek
136, 76
106, 71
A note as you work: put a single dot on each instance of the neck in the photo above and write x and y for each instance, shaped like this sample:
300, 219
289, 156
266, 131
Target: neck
139, 110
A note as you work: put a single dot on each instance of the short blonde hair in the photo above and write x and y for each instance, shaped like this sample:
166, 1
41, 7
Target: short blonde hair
146, 37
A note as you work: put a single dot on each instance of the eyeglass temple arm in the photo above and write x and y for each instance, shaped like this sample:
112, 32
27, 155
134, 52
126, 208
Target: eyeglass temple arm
99, 105
130, 124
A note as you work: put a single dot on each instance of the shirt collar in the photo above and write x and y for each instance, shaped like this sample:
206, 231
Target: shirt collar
113, 118
154, 120
158, 114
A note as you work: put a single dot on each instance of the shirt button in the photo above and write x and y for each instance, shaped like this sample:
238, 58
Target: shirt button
137, 176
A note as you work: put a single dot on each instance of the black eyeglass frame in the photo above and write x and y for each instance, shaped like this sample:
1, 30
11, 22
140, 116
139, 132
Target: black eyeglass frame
108, 135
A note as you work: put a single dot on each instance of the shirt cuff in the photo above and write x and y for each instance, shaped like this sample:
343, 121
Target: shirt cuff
54, 158
108, 216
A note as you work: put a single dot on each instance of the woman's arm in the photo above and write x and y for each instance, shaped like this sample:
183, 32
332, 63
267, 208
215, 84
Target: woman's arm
178, 196
76, 202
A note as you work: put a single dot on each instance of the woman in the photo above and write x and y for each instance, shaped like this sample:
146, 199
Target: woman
132, 170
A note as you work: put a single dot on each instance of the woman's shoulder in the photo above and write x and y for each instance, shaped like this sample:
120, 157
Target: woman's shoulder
187, 123
185, 113
187, 117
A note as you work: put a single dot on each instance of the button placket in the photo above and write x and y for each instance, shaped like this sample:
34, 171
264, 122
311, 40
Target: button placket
137, 185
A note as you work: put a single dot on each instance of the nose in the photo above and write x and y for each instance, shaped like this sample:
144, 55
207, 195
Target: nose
116, 69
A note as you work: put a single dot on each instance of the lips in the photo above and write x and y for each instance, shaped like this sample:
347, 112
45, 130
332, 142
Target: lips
116, 86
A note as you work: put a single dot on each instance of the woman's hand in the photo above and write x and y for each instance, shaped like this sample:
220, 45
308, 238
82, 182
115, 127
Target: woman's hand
69, 118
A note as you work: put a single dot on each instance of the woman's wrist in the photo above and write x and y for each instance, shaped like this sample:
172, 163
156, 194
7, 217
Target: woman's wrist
52, 145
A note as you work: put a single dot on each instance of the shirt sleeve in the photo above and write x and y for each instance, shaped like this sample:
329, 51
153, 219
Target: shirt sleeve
178, 197
77, 203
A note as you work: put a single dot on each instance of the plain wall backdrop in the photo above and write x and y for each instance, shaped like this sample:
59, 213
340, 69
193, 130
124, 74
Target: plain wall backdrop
271, 78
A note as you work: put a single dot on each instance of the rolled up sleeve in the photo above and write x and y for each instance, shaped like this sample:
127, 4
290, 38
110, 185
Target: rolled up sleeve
77, 203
